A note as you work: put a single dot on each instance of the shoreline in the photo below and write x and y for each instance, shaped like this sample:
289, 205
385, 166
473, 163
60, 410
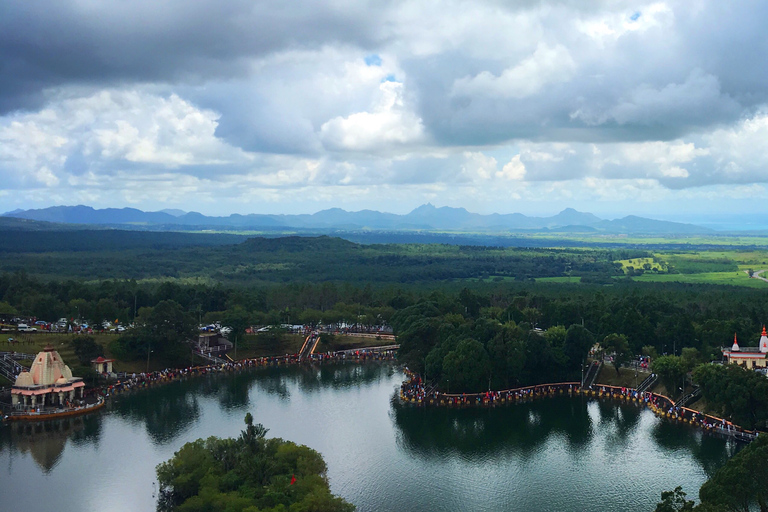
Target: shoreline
413, 392
145, 380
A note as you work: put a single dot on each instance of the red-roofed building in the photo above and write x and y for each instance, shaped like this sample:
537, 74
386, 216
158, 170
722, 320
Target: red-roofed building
102, 365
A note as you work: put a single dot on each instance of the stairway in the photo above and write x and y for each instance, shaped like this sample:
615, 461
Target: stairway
690, 397
647, 383
591, 374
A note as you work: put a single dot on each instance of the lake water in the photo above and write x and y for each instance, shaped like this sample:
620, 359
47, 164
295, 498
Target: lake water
559, 454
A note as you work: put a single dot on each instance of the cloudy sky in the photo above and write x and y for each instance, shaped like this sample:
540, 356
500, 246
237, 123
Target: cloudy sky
230, 106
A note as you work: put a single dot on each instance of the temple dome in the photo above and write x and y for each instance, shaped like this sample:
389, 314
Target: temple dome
66, 373
62, 381
24, 380
735, 347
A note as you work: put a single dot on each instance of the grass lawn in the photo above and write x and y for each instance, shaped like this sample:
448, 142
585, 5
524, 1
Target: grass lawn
252, 346
608, 376
256, 346
32, 343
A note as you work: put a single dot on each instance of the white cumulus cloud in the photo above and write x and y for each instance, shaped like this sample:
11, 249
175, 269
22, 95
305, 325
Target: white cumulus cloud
389, 124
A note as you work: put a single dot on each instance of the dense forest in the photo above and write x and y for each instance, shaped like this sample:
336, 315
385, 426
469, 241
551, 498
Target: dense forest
668, 316
465, 329
217, 258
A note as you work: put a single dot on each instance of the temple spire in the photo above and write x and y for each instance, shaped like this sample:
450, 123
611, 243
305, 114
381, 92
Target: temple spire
735, 347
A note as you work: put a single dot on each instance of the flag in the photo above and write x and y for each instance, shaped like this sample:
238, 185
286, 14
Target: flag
293, 479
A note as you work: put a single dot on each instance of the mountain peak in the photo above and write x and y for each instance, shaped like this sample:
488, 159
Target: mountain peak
426, 216
428, 207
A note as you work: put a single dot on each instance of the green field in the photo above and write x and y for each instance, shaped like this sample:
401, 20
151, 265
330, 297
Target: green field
738, 278
641, 263
563, 279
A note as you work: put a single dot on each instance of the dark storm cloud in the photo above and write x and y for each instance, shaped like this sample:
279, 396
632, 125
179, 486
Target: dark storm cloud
54, 43
700, 65
391, 93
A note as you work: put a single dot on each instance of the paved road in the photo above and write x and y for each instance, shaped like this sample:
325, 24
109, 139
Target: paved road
756, 275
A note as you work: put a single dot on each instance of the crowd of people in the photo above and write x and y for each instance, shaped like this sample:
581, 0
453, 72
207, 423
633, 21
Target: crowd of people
413, 390
127, 381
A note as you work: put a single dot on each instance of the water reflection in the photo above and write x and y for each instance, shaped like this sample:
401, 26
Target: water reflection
168, 410
45, 442
342, 375
522, 429
165, 411
563, 453
709, 450
519, 429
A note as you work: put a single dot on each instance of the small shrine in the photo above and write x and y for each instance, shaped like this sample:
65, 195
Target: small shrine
748, 357
48, 383
101, 365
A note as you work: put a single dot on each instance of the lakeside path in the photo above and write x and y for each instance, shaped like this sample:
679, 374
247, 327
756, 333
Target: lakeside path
413, 391
130, 382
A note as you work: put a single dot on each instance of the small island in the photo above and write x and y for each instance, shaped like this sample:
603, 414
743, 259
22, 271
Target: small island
250, 473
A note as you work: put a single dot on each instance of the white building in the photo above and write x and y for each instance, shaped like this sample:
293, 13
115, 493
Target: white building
48, 383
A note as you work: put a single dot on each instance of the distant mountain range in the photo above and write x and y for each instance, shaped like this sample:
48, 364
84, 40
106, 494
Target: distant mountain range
425, 217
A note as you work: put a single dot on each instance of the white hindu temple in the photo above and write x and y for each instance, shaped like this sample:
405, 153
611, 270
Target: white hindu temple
48, 383
749, 357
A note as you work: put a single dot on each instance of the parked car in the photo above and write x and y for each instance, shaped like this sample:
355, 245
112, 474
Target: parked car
25, 328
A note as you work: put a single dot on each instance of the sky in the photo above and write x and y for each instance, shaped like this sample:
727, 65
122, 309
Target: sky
231, 106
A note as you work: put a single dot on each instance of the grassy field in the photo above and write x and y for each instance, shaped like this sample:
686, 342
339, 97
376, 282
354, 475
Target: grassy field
564, 279
737, 278
292, 344
32, 343
250, 347
639, 263
608, 376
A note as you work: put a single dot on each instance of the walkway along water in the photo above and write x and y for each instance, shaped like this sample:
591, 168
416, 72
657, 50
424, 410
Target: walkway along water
412, 391
131, 381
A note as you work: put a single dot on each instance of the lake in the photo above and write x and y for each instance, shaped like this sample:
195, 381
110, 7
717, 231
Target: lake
557, 454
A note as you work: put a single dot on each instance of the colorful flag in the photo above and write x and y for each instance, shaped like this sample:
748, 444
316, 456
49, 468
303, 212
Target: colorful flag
293, 479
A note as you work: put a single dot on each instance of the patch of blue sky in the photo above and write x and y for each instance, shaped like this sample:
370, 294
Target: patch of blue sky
389, 78
372, 60
635, 15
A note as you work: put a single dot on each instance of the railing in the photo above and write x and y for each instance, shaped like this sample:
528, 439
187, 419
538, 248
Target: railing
18, 355
210, 357
591, 376
53, 410
659, 404
9, 367
688, 398
647, 383
382, 348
